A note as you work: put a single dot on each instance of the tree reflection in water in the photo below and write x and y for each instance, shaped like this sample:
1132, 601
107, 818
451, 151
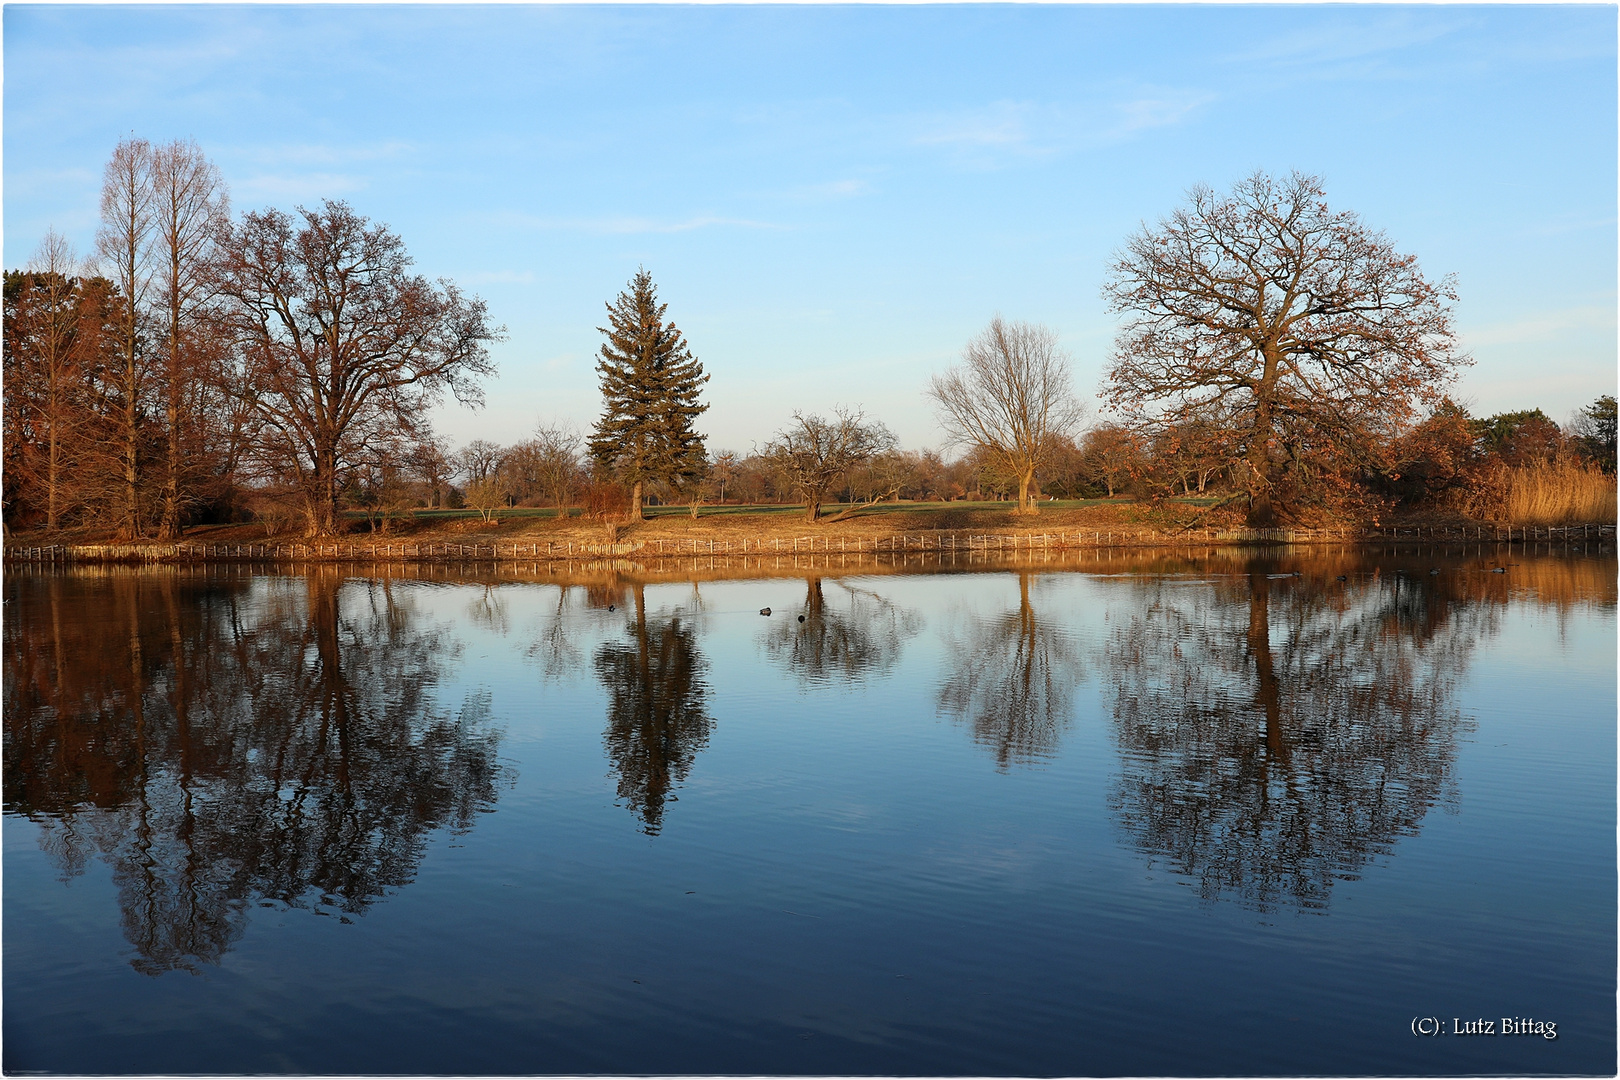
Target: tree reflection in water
1012, 679
1277, 735
862, 638
658, 717
222, 741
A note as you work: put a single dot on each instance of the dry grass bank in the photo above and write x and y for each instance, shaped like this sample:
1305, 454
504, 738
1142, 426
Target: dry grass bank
718, 524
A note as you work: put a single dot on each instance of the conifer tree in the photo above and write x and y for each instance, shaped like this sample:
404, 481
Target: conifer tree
650, 385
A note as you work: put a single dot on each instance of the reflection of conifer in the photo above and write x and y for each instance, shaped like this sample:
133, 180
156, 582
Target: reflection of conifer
650, 385
657, 718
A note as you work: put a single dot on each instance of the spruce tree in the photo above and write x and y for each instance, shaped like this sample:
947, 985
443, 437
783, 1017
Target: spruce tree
650, 385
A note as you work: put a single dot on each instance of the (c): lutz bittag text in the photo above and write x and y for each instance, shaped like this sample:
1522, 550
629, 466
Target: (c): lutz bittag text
1507, 1025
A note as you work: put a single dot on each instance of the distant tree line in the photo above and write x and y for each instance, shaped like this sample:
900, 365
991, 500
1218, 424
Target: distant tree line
280, 367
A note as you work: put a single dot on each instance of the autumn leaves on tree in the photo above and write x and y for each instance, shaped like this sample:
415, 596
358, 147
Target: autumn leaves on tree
650, 386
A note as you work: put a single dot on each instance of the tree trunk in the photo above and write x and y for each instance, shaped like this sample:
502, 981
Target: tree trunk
812, 510
131, 455
169, 526
1267, 691
323, 510
1261, 514
635, 503
1026, 503
54, 468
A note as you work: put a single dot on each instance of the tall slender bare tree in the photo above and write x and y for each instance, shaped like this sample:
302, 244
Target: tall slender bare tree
189, 208
1011, 398
125, 243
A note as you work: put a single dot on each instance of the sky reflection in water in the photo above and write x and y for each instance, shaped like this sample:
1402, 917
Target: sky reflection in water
1011, 820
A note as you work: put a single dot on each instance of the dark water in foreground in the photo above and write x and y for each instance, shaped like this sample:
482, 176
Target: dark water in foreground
1192, 816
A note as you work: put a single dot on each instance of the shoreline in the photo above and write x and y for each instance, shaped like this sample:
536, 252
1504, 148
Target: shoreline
1001, 543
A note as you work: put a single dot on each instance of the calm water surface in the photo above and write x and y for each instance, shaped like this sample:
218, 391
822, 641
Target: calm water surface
1200, 814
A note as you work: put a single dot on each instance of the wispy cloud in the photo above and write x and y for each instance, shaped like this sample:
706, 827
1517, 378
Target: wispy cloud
1544, 327
295, 187
500, 277
1340, 40
629, 225
1572, 225
836, 189
322, 154
1163, 109
1000, 125
1008, 131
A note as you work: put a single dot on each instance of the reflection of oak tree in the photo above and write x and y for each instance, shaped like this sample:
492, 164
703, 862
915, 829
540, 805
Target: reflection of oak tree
229, 741
1276, 737
657, 713
1012, 678
862, 637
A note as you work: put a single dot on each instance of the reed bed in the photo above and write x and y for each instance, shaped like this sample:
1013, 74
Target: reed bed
1556, 493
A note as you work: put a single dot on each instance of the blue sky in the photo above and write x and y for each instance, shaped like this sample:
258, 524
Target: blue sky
833, 199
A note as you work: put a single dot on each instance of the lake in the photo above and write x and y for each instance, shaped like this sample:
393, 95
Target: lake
1180, 813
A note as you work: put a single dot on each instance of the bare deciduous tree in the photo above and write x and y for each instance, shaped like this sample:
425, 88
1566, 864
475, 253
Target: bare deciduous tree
488, 495
814, 453
480, 459
125, 243
433, 463
1300, 330
343, 350
557, 465
1011, 397
189, 208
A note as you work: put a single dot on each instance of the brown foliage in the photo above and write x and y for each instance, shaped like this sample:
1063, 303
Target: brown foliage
1299, 331
341, 349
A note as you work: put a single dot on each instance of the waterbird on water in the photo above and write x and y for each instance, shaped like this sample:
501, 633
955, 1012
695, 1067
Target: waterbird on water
764, 611
1341, 577
801, 618
1433, 571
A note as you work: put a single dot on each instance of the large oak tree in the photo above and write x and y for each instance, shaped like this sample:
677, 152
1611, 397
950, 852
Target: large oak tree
343, 350
1300, 330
